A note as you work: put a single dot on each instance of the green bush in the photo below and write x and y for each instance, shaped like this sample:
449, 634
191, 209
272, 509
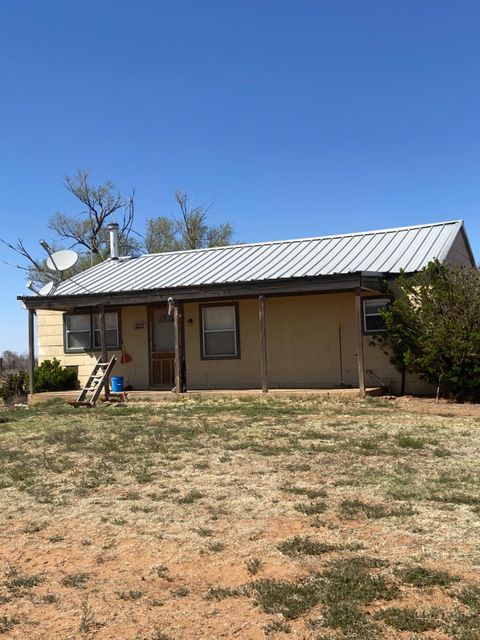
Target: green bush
13, 384
433, 328
51, 376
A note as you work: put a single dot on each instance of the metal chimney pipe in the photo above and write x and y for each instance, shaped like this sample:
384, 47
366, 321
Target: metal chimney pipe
113, 231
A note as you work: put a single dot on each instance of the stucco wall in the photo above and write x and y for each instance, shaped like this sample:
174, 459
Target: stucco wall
302, 347
50, 345
303, 343
241, 373
379, 364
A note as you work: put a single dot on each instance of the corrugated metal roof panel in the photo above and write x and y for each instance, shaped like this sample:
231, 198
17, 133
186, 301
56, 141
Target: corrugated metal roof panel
384, 251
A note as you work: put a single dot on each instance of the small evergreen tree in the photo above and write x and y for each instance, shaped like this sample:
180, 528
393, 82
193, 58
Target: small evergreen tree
51, 376
433, 327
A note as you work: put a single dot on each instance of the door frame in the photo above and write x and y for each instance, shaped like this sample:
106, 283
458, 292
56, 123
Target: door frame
150, 308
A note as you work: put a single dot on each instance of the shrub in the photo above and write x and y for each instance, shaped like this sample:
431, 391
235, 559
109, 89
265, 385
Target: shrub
51, 376
13, 384
433, 328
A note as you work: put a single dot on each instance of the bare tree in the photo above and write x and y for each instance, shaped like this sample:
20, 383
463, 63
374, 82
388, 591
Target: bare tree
101, 203
188, 230
87, 230
12, 361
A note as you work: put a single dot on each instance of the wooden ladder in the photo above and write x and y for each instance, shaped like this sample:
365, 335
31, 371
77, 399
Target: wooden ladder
94, 384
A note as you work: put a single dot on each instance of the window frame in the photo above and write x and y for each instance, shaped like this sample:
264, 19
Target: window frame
236, 331
91, 348
377, 299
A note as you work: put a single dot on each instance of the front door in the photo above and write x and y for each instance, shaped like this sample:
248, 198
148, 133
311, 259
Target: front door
162, 348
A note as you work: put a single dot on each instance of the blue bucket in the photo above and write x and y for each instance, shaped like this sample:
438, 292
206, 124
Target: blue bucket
117, 384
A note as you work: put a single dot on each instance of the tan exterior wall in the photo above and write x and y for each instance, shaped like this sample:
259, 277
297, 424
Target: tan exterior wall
136, 372
378, 367
303, 342
459, 253
303, 349
239, 373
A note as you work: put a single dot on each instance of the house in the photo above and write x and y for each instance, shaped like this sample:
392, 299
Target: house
286, 314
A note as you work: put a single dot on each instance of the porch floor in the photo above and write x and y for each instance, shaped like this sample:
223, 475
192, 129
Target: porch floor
150, 395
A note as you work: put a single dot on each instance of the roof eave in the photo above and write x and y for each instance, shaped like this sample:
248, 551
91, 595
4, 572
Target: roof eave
291, 286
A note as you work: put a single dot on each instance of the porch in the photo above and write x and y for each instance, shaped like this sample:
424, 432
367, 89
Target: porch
149, 395
290, 341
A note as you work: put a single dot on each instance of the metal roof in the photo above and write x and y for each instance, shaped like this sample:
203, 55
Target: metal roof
384, 251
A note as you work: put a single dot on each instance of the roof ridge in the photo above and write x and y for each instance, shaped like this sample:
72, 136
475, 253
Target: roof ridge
308, 239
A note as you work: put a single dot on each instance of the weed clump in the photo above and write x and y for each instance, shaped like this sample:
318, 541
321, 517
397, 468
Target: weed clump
7, 623
470, 597
408, 619
219, 593
253, 566
191, 497
350, 619
289, 599
305, 491
423, 577
17, 581
134, 594
299, 546
409, 442
356, 508
276, 626
75, 580
349, 580
311, 508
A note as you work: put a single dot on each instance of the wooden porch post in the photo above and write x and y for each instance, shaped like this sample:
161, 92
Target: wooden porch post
263, 342
31, 350
359, 335
103, 337
179, 350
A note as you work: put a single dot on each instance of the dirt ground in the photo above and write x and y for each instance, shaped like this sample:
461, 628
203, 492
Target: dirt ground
290, 517
441, 407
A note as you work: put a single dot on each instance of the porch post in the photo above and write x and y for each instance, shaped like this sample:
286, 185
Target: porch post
103, 337
263, 342
359, 335
177, 324
31, 350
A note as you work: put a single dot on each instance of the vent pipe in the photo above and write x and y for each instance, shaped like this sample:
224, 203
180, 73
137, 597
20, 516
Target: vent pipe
113, 231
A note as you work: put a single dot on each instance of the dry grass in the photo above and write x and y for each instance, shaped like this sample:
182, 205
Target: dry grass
303, 517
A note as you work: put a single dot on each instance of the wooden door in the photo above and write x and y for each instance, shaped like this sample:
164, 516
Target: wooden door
162, 348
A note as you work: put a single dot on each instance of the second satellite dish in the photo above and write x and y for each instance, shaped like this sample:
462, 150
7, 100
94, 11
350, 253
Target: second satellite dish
62, 260
46, 289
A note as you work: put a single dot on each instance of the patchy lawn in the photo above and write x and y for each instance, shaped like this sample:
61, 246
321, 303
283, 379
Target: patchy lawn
302, 517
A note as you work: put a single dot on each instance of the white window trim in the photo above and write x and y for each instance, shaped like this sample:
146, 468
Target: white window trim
220, 356
366, 315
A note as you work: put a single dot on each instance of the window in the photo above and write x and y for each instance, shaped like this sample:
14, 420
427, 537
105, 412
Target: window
77, 332
111, 327
83, 331
219, 331
373, 321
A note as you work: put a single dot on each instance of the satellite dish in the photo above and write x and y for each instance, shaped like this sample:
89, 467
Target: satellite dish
22, 304
46, 289
62, 260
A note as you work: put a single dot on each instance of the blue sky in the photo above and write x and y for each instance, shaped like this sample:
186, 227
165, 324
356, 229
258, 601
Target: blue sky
296, 118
